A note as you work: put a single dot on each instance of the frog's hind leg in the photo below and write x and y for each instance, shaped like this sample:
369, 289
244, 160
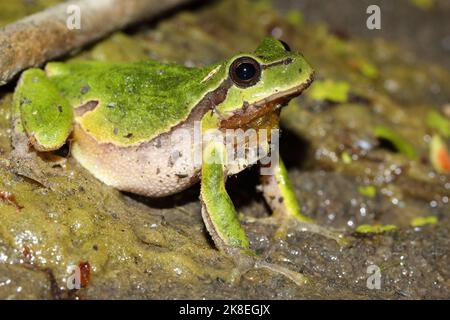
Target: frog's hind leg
41, 112
280, 196
41, 120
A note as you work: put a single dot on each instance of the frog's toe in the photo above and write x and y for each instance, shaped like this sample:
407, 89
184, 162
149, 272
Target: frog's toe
245, 262
288, 223
285, 224
35, 166
296, 277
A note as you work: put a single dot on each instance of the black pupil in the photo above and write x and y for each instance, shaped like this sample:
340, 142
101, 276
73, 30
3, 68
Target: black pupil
245, 71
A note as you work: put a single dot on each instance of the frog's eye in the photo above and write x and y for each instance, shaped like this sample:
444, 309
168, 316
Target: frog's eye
285, 45
245, 72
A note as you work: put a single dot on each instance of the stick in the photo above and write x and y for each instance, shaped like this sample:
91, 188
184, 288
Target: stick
45, 35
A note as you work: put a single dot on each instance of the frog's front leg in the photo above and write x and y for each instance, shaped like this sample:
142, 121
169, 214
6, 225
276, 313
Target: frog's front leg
220, 217
279, 193
218, 210
221, 220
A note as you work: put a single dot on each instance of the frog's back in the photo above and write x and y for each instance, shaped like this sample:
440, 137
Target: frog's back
130, 103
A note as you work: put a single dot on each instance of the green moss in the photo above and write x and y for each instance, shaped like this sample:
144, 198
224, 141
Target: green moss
438, 122
330, 90
366, 228
368, 191
295, 17
120, 48
424, 4
83, 220
369, 69
402, 145
422, 221
346, 158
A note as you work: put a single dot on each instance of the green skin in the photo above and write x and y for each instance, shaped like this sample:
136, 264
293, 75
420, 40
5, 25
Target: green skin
138, 102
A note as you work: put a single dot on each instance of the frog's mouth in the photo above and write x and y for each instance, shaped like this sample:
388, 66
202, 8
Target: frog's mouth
250, 112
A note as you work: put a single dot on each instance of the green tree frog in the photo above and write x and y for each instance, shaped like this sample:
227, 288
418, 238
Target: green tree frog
124, 120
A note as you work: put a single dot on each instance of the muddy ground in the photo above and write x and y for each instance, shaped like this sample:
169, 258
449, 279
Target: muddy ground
358, 147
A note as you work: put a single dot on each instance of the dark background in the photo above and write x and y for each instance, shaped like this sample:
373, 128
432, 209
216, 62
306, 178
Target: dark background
425, 32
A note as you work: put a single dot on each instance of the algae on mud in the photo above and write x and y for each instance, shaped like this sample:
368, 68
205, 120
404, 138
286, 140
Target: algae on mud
158, 248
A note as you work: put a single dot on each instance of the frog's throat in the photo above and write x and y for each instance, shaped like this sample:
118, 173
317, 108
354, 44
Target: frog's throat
250, 112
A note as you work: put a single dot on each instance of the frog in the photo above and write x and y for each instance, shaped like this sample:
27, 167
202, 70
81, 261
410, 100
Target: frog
124, 120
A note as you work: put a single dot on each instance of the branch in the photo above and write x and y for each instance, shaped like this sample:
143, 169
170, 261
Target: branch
44, 36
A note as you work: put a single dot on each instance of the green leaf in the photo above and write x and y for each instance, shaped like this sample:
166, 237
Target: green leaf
367, 228
368, 191
334, 91
422, 221
435, 120
402, 145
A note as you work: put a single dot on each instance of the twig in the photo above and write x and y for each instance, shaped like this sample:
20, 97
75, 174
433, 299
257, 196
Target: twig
45, 35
